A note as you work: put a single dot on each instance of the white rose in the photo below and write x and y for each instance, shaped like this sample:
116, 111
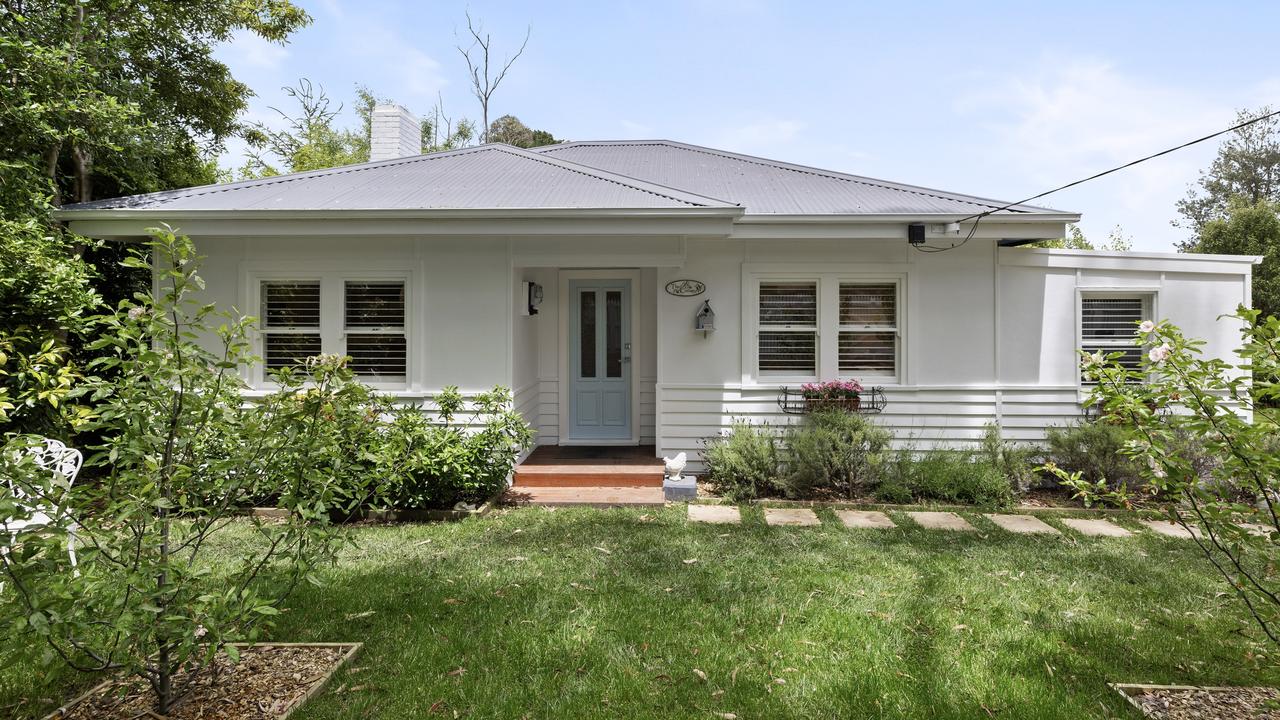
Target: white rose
1146, 327
1160, 354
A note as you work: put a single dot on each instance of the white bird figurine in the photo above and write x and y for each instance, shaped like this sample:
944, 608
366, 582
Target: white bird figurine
675, 465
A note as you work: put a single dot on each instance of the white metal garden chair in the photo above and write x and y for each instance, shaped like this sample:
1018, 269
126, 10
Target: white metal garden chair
55, 457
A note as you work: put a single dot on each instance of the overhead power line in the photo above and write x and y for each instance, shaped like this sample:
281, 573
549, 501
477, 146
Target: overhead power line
1118, 168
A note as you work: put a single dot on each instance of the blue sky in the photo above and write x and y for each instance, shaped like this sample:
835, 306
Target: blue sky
996, 99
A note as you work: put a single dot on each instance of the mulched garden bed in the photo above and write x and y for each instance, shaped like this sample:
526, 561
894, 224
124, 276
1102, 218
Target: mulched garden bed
269, 683
1177, 702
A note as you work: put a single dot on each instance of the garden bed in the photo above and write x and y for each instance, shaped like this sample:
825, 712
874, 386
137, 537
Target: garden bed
1189, 702
269, 683
392, 516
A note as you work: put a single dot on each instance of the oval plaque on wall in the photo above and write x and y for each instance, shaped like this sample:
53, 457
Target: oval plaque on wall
685, 288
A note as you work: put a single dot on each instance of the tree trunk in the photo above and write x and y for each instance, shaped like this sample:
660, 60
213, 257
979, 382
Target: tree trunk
51, 170
84, 173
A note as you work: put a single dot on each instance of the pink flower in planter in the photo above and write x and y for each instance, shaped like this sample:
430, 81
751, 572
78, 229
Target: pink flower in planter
1160, 354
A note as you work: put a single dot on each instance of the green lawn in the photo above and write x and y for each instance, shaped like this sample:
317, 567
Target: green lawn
602, 614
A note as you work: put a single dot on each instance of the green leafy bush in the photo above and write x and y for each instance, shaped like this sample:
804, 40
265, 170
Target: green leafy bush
743, 465
950, 476
437, 463
1016, 463
1093, 449
834, 452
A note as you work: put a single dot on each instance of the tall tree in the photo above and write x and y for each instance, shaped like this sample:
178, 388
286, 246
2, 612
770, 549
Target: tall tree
1247, 167
486, 75
311, 139
508, 129
107, 97
1075, 240
1249, 229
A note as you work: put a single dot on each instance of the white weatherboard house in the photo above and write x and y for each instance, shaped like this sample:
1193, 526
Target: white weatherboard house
561, 272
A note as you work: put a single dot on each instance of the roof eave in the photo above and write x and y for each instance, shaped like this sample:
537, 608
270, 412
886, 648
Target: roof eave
1010, 217
71, 215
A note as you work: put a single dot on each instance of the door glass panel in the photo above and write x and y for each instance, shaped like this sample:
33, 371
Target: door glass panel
587, 339
613, 334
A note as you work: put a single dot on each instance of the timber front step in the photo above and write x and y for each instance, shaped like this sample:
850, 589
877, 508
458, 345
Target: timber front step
599, 497
588, 476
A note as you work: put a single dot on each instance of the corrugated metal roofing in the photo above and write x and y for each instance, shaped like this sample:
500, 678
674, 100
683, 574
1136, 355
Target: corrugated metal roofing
765, 186
485, 177
643, 174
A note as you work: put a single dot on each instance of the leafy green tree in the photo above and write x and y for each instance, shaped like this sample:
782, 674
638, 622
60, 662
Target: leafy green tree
100, 98
111, 97
179, 454
1075, 240
1247, 168
311, 139
1233, 504
508, 129
1249, 230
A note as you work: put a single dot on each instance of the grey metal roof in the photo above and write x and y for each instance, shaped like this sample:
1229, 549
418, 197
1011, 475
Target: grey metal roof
614, 175
491, 176
765, 186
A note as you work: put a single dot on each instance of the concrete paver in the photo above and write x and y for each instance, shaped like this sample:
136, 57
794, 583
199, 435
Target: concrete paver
941, 521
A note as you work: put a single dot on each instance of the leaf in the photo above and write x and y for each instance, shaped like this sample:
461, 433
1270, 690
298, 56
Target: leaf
690, 561
701, 675
459, 672
232, 653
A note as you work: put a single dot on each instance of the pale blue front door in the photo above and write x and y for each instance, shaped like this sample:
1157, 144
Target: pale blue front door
599, 360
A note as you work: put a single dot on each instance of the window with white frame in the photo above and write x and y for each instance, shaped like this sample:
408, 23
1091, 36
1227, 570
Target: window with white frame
868, 329
826, 326
1108, 323
374, 321
290, 322
788, 328
363, 319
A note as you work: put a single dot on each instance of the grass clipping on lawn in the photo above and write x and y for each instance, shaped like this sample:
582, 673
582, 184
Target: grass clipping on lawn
268, 683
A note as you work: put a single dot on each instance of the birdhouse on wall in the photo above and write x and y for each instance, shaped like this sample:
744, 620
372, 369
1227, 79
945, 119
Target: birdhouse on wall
705, 320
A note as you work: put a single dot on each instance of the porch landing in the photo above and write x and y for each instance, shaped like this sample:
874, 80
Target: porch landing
598, 476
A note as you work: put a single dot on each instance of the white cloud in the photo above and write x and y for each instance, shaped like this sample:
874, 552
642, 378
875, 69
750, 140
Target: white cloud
247, 50
1068, 121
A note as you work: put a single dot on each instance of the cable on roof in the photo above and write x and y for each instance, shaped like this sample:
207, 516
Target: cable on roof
977, 218
1118, 168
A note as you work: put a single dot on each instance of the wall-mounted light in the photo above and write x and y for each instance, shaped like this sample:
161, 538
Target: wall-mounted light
532, 293
705, 320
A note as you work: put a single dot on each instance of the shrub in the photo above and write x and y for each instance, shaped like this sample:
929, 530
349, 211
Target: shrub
743, 465
834, 452
179, 453
951, 476
439, 463
1176, 394
1093, 449
1015, 463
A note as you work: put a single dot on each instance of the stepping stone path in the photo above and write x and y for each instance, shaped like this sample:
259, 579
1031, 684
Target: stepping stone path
1095, 528
1169, 529
858, 519
941, 521
790, 516
1023, 524
716, 514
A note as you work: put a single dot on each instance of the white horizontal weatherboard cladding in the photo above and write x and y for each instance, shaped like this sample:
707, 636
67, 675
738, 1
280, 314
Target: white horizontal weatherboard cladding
984, 333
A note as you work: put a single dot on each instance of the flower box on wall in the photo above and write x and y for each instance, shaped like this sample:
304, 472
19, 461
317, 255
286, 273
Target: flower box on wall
805, 400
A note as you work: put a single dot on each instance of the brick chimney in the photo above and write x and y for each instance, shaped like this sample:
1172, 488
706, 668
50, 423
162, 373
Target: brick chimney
394, 133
